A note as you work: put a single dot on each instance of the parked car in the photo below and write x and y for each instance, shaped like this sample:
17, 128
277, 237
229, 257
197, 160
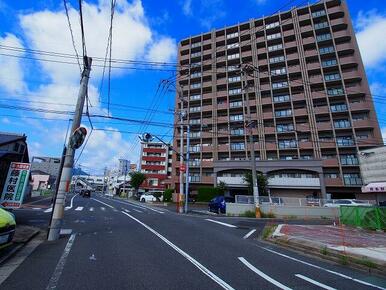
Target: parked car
351, 202
218, 204
149, 197
7, 227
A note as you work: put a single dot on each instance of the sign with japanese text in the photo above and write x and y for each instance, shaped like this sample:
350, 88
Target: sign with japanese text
15, 185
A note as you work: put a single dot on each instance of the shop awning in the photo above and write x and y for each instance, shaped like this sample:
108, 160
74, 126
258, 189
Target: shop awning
374, 187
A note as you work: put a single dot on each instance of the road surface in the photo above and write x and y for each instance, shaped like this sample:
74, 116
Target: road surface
117, 244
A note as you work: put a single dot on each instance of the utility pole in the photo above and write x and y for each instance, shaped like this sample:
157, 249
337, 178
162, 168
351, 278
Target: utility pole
249, 125
65, 179
187, 167
180, 94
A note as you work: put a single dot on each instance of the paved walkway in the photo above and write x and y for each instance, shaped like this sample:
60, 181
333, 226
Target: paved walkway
362, 242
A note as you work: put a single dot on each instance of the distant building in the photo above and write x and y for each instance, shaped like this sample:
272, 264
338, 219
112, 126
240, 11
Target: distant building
124, 166
156, 164
41, 180
133, 167
93, 182
48, 165
13, 148
372, 163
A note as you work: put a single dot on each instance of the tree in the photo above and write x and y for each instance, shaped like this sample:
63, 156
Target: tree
137, 178
222, 187
262, 183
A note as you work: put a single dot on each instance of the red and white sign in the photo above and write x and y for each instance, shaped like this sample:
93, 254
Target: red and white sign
374, 187
183, 168
15, 185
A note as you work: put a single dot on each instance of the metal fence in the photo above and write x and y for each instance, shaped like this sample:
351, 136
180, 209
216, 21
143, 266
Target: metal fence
363, 216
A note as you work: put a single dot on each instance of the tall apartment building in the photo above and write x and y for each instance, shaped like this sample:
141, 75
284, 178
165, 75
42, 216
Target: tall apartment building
307, 94
155, 162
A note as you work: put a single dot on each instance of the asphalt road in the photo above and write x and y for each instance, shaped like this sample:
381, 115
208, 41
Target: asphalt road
121, 245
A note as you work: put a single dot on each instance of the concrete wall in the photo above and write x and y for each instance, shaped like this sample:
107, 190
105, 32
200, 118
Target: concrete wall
300, 211
238, 208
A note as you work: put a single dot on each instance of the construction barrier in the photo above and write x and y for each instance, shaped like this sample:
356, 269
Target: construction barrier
366, 217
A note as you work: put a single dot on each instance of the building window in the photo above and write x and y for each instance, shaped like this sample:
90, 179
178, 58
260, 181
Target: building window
335, 91
329, 62
153, 182
280, 71
236, 117
194, 121
237, 132
284, 144
234, 56
332, 77
338, 108
285, 127
344, 141
194, 45
322, 37
195, 148
195, 54
343, 123
277, 59
275, 47
196, 64
318, 13
237, 146
272, 25
195, 86
281, 98
234, 91
195, 134
327, 49
232, 68
233, 45
16, 147
234, 79
331, 175
352, 179
273, 36
194, 109
232, 35
195, 75
349, 159
279, 85
195, 97
283, 113
194, 162
321, 25
235, 104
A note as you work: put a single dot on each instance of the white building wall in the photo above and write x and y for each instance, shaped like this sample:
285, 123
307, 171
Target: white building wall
373, 165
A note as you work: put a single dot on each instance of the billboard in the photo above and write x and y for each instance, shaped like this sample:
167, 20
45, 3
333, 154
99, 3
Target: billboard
15, 185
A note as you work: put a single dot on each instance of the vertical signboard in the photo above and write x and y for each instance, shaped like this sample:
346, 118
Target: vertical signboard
15, 185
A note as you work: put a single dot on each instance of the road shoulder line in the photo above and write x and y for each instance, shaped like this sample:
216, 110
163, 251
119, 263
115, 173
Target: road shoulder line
221, 223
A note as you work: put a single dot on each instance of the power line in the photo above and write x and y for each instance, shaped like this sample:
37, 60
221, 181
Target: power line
72, 35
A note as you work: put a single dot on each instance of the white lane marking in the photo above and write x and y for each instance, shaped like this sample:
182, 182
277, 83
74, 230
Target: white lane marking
52, 284
110, 206
103, 208
324, 269
79, 208
48, 209
36, 208
249, 234
221, 223
91, 209
262, 275
126, 210
321, 285
201, 267
135, 205
137, 210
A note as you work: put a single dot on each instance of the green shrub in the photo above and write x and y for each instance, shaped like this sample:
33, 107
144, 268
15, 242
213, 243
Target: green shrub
324, 251
205, 194
167, 195
268, 215
268, 231
248, 213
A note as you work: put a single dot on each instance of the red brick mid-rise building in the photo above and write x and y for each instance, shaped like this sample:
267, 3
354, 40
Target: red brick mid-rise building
307, 94
155, 162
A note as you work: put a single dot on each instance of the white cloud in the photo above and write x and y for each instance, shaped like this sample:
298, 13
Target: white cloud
383, 131
378, 88
187, 7
11, 71
5, 120
371, 28
162, 50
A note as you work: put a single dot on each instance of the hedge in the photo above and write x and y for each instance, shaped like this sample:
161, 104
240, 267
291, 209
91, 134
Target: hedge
208, 193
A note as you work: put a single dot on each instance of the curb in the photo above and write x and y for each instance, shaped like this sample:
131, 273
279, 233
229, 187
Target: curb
314, 249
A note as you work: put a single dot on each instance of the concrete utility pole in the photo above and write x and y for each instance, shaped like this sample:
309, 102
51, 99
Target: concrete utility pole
65, 179
249, 125
181, 155
187, 167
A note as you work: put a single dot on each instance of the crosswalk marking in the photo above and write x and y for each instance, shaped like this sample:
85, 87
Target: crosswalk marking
91, 209
67, 207
103, 208
79, 208
48, 209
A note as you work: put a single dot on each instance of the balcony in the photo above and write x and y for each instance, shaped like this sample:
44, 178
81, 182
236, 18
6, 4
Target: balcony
313, 66
333, 182
267, 115
222, 106
324, 126
207, 179
294, 69
207, 121
321, 110
301, 112
311, 52
269, 130
271, 145
223, 148
303, 127
331, 162
207, 96
360, 106
354, 181
352, 75
363, 124
344, 47
348, 60
341, 33
287, 182
232, 181
308, 40
306, 28
207, 148
207, 163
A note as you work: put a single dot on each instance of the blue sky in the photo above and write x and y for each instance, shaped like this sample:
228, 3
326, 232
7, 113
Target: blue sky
143, 30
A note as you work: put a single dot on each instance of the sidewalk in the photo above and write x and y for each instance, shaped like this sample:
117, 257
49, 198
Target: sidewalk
363, 246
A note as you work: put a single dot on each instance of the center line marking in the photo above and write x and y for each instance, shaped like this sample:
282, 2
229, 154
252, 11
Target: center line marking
71, 203
263, 275
52, 284
201, 267
136, 205
249, 234
221, 223
79, 208
137, 210
321, 285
